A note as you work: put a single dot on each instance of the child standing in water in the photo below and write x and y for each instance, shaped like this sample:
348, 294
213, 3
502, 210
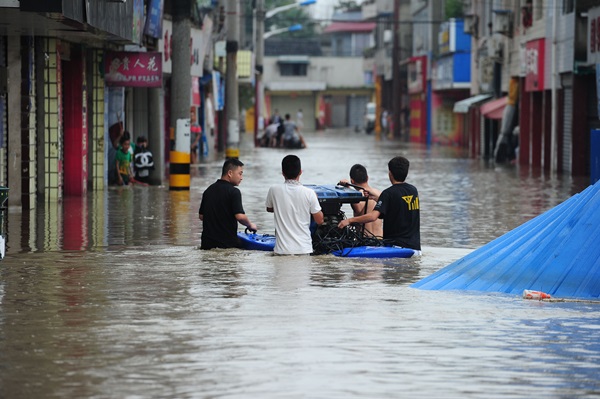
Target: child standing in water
143, 161
124, 158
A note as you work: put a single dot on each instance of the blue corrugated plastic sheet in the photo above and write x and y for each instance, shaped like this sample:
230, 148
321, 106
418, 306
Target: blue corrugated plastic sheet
557, 252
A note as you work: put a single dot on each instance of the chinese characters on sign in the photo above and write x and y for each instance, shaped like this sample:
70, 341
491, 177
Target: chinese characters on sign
534, 65
133, 69
593, 51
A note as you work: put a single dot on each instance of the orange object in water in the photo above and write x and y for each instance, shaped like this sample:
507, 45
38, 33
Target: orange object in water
539, 295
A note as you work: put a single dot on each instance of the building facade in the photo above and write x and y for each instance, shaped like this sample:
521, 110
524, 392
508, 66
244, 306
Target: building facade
73, 75
527, 90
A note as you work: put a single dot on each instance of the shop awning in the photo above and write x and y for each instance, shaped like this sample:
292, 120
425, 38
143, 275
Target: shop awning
462, 106
494, 108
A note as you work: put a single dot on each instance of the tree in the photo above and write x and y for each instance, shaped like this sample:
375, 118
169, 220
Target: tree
454, 9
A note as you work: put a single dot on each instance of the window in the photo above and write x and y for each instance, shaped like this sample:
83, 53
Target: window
292, 69
538, 10
527, 15
568, 6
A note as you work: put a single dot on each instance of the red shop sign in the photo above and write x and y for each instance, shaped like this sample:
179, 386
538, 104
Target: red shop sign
132, 69
534, 64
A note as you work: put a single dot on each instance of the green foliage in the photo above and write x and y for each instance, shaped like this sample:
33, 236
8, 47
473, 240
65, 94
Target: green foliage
454, 9
245, 96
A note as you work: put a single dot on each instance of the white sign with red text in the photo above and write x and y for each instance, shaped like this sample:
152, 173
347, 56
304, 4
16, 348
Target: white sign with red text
197, 49
593, 36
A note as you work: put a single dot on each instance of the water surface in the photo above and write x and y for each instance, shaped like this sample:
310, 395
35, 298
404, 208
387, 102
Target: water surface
109, 297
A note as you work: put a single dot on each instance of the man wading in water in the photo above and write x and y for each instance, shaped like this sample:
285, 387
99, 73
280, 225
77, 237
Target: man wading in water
221, 209
398, 206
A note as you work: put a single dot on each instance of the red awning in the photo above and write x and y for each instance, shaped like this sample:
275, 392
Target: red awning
494, 109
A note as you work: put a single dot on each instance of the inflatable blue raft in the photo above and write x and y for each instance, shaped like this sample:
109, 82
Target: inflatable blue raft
266, 242
257, 242
375, 252
331, 198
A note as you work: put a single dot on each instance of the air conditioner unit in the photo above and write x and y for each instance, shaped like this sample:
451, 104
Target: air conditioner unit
470, 24
387, 36
503, 22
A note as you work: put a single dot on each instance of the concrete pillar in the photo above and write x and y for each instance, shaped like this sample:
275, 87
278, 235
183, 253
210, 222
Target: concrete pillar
181, 78
524, 126
96, 88
232, 107
75, 125
156, 134
53, 124
13, 156
181, 81
28, 124
40, 63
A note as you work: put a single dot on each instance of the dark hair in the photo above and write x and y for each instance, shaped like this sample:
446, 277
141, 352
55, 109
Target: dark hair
287, 116
126, 135
141, 139
124, 138
291, 167
399, 168
231, 164
358, 173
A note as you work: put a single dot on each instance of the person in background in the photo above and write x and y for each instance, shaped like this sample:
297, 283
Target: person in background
299, 119
209, 116
399, 208
269, 137
360, 180
384, 121
278, 120
143, 161
293, 205
123, 160
196, 135
291, 137
221, 209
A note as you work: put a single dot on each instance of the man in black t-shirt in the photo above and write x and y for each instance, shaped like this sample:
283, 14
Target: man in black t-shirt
398, 206
221, 209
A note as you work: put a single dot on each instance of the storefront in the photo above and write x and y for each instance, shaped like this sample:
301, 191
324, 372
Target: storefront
450, 82
532, 129
417, 89
471, 113
134, 80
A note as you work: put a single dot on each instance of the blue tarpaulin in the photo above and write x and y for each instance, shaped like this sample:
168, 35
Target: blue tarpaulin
557, 252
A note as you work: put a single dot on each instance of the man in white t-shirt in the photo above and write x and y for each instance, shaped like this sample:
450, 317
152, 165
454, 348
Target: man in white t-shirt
293, 205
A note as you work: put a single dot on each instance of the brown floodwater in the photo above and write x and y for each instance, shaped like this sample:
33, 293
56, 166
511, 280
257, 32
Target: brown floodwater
109, 296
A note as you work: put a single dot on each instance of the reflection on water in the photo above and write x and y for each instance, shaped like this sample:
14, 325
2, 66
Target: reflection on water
109, 296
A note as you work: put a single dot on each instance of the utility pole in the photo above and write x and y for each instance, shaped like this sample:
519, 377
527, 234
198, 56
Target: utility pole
259, 24
181, 80
396, 84
181, 76
554, 114
231, 85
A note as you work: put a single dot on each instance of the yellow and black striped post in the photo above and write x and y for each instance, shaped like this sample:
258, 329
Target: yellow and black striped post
179, 170
179, 167
232, 153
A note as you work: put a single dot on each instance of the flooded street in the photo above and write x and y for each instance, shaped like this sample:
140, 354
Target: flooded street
109, 296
